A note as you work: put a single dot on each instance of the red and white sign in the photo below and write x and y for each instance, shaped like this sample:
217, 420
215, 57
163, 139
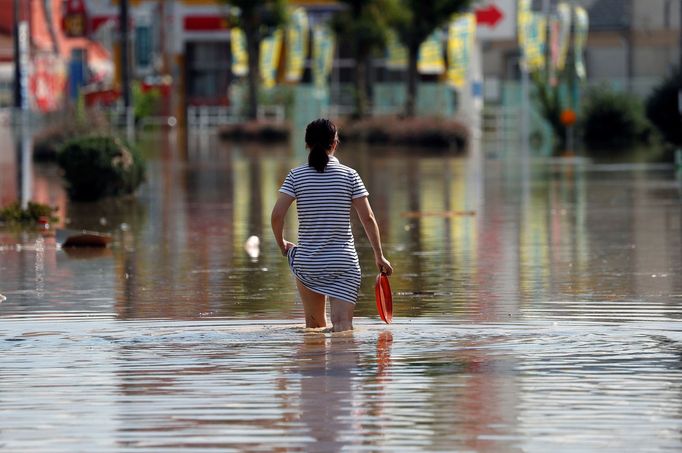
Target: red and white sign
75, 20
496, 20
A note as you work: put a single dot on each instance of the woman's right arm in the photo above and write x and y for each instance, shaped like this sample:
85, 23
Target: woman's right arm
369, 223
279, 211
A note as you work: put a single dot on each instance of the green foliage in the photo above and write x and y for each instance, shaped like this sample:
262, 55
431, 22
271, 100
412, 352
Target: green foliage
613, 120
146, 103
550, 104
663, 111
419, 18
257, 18
14, 213
416, 21
363, 26
65, 125
99, 166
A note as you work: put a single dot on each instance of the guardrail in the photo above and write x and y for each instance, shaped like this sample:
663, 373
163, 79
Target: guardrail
210, 116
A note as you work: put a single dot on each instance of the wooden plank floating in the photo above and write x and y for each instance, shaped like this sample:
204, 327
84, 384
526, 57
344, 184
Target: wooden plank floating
444, 214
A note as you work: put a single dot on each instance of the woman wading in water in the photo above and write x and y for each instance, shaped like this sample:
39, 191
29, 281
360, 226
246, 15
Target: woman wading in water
325, 262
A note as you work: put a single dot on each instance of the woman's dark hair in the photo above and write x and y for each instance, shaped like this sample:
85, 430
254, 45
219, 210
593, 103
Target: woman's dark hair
319, 136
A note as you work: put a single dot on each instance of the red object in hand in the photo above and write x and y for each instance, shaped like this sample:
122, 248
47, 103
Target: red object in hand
384, 298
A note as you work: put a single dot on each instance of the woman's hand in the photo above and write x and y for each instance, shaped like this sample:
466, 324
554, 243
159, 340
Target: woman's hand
287, 245
383, 265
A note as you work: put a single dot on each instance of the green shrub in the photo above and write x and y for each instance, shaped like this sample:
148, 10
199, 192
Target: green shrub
100, 166
430, 132
13, 213
64, 126
145, 103
663, 111
613, 120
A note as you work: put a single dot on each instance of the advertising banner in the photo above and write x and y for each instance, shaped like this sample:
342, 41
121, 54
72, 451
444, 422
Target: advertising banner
240, 56
564, 15
461, 35
297, 45
430, 59
581, 28
323, 55
270, 50
532, 37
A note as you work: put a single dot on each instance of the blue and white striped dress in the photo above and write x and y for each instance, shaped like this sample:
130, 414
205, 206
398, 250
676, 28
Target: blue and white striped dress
325, 259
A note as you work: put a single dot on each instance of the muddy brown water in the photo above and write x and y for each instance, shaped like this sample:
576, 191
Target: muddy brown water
536, 308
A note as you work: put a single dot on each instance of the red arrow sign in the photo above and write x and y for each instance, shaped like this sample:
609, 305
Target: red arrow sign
489, 16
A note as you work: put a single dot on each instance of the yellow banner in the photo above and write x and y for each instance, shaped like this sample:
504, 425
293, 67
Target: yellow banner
396, 53
461, 35
431, 55
240, 57
270, 50
323, 55
297, 44
532, 36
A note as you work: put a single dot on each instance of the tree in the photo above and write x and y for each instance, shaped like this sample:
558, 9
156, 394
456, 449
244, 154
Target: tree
257, 18
363, 26
662, 108
419, 20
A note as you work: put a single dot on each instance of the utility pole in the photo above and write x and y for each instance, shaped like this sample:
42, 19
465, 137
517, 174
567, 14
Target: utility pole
125, 66
17, 89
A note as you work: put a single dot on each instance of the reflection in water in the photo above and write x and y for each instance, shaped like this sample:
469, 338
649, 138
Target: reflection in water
546, 319
428, 385
574, 235
327, 365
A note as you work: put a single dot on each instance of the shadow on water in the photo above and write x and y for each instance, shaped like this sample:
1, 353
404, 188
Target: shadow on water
531, 313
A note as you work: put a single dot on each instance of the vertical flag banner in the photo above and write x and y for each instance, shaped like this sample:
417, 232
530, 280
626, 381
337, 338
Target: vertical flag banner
523, 19
564, 13
297, 45
581, 28
396, 53
534, 46
430, 59
240, 57
323, 55
554, 30
461, 35
532, 30
270, 49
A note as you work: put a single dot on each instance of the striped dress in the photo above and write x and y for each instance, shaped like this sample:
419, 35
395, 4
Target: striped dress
325, 259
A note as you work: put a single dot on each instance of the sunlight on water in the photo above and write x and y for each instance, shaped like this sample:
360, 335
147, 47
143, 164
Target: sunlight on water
432, 384
531, 314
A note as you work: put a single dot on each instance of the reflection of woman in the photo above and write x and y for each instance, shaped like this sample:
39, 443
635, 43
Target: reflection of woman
327, 366
325, 262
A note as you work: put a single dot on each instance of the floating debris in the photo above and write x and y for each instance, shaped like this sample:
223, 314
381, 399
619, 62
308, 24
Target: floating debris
83, 238
417, 214
252, 247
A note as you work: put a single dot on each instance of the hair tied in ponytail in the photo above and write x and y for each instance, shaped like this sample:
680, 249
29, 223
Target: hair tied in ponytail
319, 136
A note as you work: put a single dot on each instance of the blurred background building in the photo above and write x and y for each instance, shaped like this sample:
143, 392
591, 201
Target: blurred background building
185, 49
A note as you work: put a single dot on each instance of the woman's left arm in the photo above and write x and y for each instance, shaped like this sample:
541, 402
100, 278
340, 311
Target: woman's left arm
279, 211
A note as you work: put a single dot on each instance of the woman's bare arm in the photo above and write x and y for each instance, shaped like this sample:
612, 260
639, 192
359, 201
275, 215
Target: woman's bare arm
369, 223
279, 211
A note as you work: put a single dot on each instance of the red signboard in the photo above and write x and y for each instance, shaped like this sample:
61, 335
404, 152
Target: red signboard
206, 23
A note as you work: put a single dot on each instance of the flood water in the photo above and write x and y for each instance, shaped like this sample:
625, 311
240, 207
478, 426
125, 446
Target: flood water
536, 308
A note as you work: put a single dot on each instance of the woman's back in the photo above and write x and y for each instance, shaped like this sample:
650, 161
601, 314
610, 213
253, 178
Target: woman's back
323, 202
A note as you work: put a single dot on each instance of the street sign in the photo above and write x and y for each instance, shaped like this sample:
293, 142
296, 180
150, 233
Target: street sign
496, 20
